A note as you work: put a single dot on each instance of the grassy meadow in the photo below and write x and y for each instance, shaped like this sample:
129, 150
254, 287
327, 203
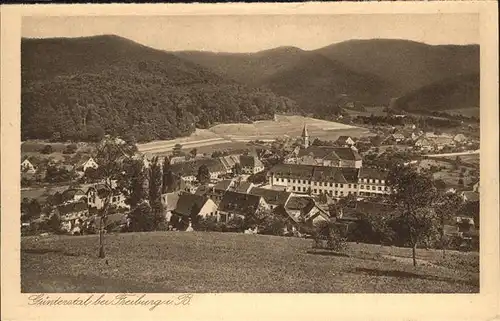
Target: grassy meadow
226, 262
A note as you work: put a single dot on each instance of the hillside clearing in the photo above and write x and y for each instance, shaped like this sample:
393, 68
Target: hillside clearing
220, 136
227, 262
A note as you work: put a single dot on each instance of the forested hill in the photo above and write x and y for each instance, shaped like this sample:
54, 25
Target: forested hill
448, 94
79, 88
371, 71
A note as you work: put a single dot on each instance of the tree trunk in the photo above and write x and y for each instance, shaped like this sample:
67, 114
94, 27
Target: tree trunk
101, 243
414, 254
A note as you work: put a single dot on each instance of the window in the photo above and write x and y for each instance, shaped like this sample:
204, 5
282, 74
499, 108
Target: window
371, 180
387, 188
336, 193
336, 185
379, 188
331, 184
293, 188
341, 192
341, 185
373, 188
361, 193
361, 186
382, 181
376, 181
349, 185
315, 191
355, 186
365, 180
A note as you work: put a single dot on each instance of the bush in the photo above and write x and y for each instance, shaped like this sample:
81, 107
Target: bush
272, 225
70, 149
207, 224
47, 149
236, 224
333, 235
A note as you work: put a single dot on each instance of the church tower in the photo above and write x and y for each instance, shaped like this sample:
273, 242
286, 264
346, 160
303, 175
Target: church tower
305, 137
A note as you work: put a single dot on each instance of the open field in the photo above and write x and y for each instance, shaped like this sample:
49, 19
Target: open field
375, 111
228, 262
448, 173
284, 126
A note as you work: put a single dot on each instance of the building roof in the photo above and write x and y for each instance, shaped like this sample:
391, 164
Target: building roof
74, 207
223, 185
70, 193
202, 190
187, 203
83, 161
243, 187
177, 159
329, 152
298, 202
317, 173
272, 197
229, 161
250, 161
343, 139
239, 203
372, 173
190, 168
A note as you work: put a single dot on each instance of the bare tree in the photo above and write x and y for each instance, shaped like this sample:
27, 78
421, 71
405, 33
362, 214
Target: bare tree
110, 153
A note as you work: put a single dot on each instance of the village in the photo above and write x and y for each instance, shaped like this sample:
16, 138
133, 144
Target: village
302, 181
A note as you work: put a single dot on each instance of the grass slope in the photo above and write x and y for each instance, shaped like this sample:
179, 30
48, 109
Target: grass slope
226, 262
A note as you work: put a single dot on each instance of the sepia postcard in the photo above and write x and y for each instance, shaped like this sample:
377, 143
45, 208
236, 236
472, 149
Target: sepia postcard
250, 161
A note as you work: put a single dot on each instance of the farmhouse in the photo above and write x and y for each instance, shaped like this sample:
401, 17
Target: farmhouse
250, 164
189, 170
299, 209
97, 194
274, 198
334, 181
85, 164
234, 204
191, 204
345, 141
72, 216
27, 167
73, 195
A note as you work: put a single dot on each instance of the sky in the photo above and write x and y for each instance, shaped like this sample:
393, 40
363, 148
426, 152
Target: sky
251, 33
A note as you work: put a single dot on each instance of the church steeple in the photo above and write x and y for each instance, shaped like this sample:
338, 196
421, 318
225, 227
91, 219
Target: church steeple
305, 137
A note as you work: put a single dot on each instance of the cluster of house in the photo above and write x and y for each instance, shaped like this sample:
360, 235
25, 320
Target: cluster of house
290, 191
232, 198
78, 204
29, 166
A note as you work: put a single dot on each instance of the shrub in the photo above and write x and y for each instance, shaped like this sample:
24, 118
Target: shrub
47, 149
70, 149
207, 224
333, 235
236, 224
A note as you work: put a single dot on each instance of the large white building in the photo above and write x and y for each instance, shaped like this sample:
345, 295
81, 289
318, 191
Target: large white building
334, 181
